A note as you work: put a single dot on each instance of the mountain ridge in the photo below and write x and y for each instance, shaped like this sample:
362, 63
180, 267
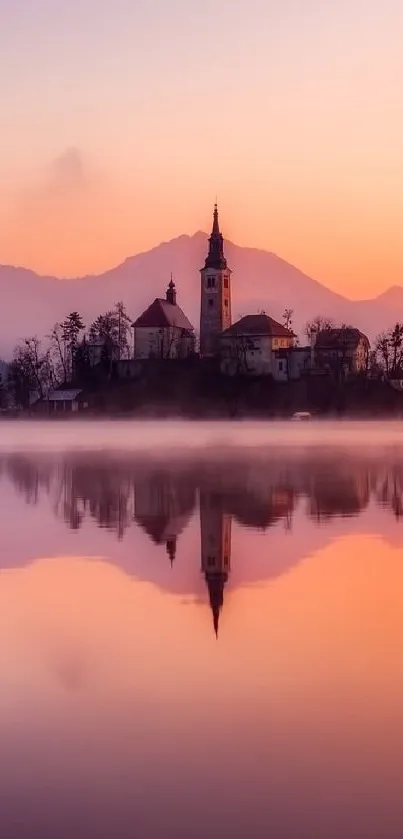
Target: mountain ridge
260, 280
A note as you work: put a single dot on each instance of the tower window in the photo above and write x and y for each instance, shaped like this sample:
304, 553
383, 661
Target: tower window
210, 282
225, 282
226, 304
211, 301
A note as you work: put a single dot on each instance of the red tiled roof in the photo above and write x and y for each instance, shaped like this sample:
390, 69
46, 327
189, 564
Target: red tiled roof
163, 314
258, 325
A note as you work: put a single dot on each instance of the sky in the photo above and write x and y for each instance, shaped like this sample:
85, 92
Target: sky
123, 120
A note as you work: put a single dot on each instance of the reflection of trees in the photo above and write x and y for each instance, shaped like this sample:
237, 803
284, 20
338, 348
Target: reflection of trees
29, 476
338, 492
389, 489
253, 497
118, 491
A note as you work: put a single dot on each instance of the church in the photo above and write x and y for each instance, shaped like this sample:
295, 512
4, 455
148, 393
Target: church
255, 344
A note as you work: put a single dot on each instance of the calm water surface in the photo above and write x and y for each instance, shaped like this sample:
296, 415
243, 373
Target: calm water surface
201, 631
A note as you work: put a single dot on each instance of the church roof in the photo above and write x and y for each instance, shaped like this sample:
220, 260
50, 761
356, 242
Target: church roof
258, 325
215, 257
163, 314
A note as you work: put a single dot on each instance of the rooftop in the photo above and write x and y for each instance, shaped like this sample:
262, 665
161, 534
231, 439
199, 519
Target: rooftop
345, 335
259, 325
63, 395
162, 314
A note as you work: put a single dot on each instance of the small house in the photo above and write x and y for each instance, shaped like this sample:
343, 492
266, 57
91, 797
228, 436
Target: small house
256, 345
65, 401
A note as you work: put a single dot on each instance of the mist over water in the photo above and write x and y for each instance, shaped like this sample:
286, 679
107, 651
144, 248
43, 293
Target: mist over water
170, 436
200, 630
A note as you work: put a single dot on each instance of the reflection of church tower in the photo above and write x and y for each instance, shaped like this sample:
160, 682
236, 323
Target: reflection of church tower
215, 549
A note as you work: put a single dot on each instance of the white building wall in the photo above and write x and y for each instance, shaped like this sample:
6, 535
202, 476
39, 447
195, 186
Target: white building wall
156, 342
246, 354
252, 355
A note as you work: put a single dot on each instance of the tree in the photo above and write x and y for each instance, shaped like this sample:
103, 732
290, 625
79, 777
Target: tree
82, 365
123, 330
287, 318
30, 370
318, 324
71, 329
113, 329
58, 352
389, 351
3, 395
239, 350
396, 345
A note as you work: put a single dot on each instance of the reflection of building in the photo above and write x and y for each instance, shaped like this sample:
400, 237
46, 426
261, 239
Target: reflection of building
162, 507
338, 491
215, 527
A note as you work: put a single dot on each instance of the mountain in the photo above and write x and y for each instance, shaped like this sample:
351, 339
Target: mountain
31, 304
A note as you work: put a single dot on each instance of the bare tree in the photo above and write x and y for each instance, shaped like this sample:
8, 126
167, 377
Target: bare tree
239, 351
58, 352
389, 351
318, 324
123, 322
287, 318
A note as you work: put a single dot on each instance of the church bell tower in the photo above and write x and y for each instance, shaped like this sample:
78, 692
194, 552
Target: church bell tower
215, 304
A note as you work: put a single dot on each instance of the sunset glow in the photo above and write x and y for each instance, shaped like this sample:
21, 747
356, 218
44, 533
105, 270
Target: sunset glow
120, 126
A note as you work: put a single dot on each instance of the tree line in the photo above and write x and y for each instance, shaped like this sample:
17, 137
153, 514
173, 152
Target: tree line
65, 355
386, 356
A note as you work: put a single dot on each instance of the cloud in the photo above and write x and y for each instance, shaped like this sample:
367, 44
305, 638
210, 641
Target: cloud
68, 171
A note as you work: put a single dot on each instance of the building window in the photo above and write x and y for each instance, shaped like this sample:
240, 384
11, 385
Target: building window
211, 301
226, 304
280, 366
225, 282
210, 282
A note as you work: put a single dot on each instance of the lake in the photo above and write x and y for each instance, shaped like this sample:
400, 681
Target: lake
201, 630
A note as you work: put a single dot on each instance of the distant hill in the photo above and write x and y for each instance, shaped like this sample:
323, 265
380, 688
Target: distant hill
31, 304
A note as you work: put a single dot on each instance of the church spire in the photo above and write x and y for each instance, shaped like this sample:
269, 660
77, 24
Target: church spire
215, 584
171, 549
216, 227
215, 257
171, 292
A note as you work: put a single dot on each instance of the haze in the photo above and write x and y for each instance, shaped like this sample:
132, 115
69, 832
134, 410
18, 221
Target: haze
121, 122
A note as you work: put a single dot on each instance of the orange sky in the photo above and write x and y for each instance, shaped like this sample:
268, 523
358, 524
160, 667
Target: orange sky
289, 112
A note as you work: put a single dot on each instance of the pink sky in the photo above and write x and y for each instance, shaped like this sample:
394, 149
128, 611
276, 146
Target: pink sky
120, 125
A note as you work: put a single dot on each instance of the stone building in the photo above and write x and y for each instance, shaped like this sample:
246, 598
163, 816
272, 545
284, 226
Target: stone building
215, 308
256, 345
163, 330
341, 351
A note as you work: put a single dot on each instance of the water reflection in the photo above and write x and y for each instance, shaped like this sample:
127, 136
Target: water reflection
161, 497
116, 697
119, 492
